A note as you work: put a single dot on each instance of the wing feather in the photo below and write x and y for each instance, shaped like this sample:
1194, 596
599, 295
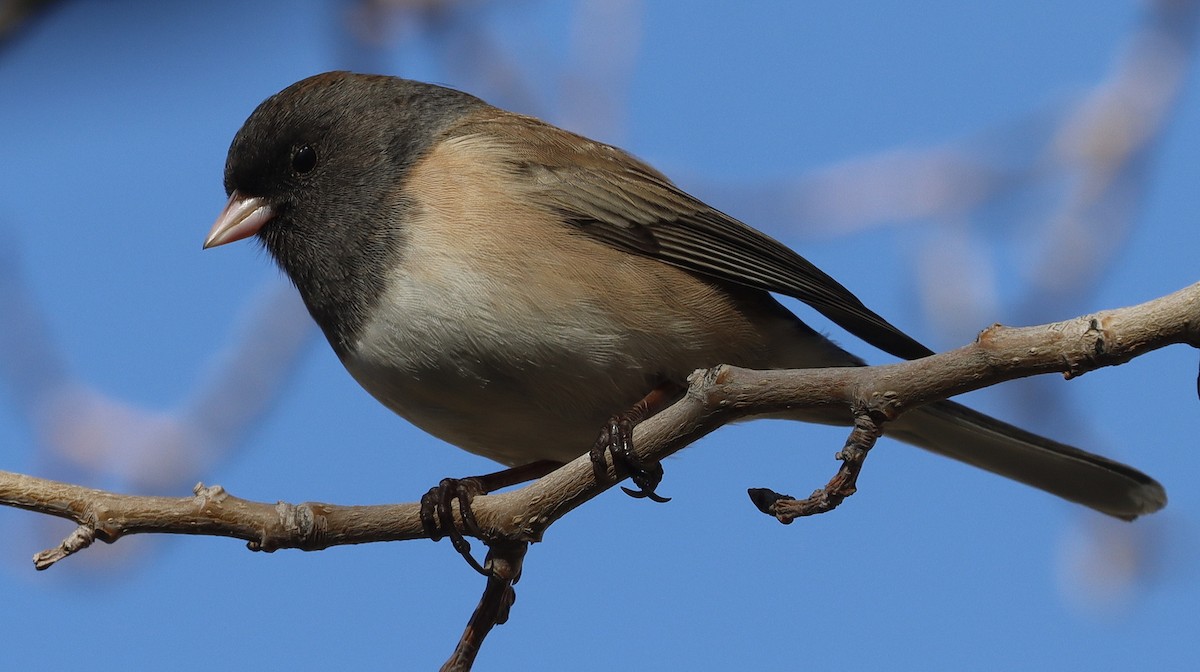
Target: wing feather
612, 196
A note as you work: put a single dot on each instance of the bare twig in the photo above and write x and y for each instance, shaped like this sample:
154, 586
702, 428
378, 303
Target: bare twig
503, 562
509, 521
211, 511
715, 397
843, 484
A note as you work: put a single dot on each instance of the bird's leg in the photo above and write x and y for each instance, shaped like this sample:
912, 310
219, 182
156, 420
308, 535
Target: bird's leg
437, 505
616, 438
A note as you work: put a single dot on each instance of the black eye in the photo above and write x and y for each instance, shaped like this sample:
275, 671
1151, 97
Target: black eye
304, 159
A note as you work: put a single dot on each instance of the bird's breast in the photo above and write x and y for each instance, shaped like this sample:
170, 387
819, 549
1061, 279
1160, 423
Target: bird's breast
509, 333
472, 361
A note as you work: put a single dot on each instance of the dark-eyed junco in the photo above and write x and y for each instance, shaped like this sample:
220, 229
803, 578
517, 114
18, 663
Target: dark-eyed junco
510, 287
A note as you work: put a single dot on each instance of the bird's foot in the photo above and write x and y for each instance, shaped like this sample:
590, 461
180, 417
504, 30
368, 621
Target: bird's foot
616, 439
437, 515
437, 505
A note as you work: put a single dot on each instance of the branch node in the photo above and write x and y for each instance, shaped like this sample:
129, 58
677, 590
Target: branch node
708, 377
81, 538
302, 524
884, 406
989, 333
207, 495
1099, 331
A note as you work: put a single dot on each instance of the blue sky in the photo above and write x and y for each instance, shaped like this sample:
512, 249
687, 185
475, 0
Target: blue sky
114, 122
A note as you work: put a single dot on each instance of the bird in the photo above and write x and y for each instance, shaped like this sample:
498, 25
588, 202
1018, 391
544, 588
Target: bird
511, 287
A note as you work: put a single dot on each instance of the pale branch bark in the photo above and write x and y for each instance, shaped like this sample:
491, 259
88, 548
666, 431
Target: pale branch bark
715, 397
510, 521
503, 565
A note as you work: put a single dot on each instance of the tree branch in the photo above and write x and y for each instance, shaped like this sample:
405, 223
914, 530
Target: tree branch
511, 520
715, 397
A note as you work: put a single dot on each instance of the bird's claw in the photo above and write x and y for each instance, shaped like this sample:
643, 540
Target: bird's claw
616, 439
437, 515
645, 494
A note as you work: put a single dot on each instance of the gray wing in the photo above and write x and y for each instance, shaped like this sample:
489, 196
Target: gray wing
615, 198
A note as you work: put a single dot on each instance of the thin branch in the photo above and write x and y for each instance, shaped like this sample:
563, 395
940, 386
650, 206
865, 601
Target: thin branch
715, 397
844, 483
509, 521
504, 562
108, 516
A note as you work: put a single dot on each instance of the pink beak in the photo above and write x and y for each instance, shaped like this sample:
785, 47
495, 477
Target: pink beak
242, 217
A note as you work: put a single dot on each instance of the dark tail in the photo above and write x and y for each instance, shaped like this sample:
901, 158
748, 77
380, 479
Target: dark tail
956, 431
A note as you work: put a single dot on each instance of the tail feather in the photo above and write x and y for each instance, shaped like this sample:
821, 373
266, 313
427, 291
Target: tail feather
953, 430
